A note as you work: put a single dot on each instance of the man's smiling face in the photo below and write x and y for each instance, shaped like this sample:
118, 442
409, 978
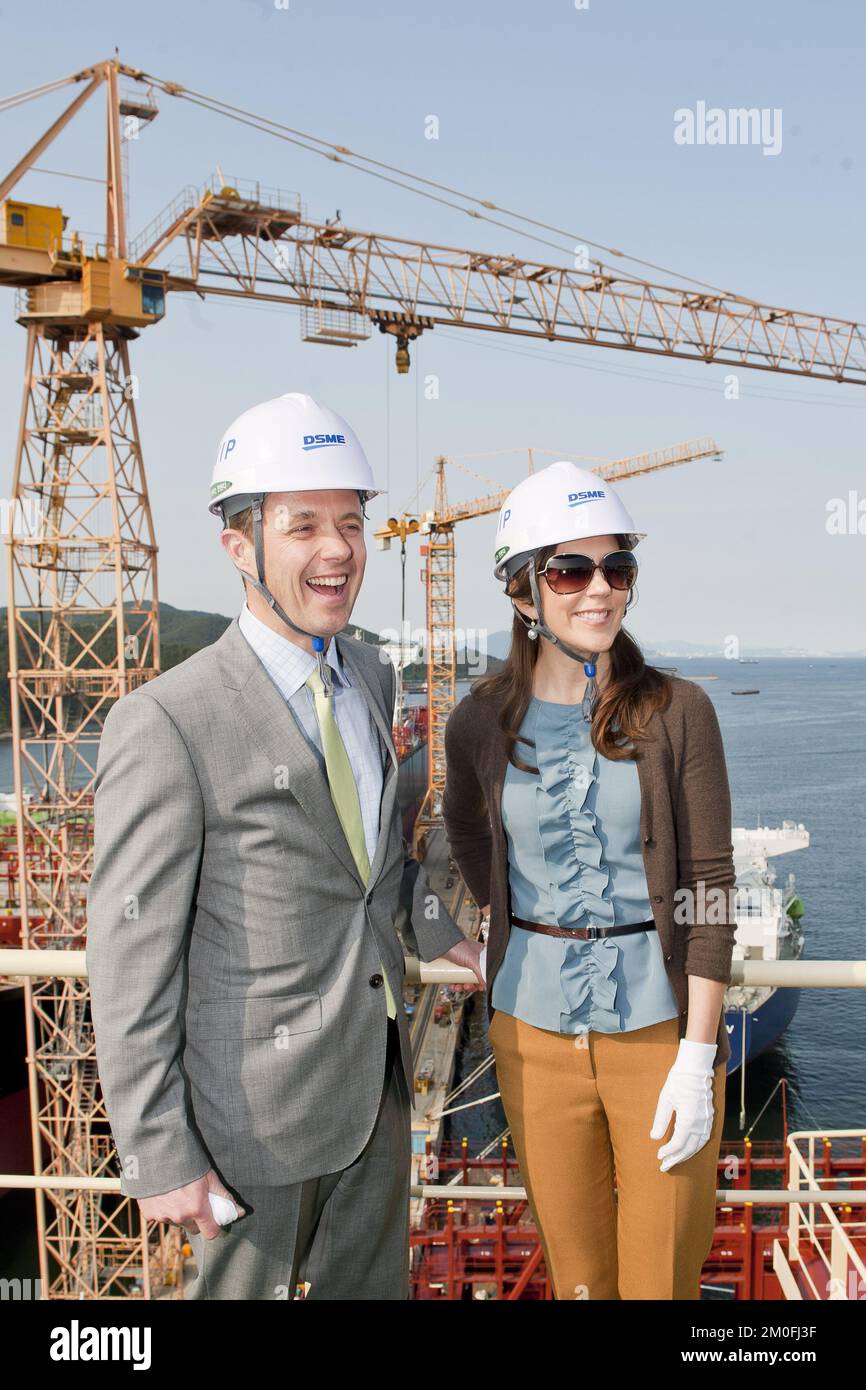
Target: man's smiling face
315, 555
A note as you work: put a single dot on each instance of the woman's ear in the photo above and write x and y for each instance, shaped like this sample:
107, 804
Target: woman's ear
527, 609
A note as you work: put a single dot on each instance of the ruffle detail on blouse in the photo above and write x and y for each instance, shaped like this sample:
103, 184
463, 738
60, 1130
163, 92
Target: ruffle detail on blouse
573, 854
577, 872
587, 986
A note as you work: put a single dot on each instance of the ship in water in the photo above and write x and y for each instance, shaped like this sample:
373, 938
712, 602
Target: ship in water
769, 927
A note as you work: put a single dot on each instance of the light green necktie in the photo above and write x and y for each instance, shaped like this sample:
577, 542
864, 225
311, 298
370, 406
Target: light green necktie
344, 792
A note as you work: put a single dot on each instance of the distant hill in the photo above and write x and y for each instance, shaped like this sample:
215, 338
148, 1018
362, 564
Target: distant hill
182, 631
499, 642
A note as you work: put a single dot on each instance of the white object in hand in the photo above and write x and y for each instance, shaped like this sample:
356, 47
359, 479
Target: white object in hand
223, 1208
482, 962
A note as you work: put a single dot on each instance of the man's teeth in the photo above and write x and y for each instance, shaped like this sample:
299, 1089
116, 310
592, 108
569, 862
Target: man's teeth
333, 582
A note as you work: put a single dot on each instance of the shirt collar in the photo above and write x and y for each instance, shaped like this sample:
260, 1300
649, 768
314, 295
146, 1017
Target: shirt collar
287, 664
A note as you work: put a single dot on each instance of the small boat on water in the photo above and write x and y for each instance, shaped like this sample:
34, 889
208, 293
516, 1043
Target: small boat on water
745, 692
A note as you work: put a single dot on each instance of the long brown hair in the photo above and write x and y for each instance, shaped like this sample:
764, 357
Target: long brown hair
634, 691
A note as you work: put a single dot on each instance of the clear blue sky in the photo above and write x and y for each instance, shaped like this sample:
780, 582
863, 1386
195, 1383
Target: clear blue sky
563, 115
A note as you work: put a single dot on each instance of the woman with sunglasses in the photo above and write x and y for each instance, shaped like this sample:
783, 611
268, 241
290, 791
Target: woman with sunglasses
587, 806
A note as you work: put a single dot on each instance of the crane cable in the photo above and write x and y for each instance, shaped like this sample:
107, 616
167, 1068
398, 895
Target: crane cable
7, 103
341, 154
260, 123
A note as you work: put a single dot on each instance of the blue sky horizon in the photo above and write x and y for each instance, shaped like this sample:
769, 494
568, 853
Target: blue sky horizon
566, 115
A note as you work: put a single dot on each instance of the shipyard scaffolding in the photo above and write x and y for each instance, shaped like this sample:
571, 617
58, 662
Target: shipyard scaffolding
82, 624
82, 614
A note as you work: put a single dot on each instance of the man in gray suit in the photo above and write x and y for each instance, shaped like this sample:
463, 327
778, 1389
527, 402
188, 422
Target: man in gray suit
250, 881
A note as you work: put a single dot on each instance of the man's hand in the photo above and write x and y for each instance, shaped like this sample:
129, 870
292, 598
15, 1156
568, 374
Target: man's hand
189, 1206
467, 953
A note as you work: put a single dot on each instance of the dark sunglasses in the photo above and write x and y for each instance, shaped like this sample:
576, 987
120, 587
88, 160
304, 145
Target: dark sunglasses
571, 574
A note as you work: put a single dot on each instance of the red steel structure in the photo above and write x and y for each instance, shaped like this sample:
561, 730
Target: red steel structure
464, 1250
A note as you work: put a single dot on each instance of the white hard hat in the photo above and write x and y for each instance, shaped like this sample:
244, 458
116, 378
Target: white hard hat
288, 444
559, 503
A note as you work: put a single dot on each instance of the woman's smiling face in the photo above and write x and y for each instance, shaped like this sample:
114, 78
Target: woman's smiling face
589, 620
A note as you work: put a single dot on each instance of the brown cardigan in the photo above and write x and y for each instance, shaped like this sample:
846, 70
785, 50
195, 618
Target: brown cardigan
685, 828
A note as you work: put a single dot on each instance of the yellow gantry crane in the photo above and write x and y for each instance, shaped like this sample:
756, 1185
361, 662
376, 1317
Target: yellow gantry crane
437, 526
81, 549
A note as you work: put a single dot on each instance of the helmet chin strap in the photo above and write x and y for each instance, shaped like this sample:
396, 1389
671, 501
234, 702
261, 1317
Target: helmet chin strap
538, 625
259, 584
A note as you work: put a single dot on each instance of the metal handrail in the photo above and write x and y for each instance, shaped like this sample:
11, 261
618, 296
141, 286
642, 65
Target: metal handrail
469, 1193
793, 974
843, 1260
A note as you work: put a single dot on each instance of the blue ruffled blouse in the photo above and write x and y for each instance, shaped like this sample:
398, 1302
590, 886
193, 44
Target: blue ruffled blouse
574, 856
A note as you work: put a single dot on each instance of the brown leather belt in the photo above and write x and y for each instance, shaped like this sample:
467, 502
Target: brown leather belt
582, 933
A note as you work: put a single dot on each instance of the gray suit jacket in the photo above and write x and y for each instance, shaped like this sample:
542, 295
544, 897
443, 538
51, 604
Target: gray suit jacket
232, 948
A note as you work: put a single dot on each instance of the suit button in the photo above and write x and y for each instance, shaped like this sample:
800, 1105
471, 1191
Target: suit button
658, 898
670, 957
648, 840
375, 981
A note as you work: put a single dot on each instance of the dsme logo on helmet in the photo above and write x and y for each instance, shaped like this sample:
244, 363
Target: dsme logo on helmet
576, 499
322, 441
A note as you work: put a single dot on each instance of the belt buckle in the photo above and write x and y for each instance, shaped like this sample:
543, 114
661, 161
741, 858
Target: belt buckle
592, 932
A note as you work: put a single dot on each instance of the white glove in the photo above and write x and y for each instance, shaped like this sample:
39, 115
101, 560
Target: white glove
223, 1208
688, 1090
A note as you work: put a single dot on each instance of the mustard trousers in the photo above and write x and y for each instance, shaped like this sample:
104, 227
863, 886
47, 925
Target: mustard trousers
580, 1111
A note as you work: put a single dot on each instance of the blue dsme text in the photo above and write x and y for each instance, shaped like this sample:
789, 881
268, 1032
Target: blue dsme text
321, 441
576, 498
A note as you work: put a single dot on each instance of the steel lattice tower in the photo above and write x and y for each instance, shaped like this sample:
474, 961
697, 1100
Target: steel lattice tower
82, 632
